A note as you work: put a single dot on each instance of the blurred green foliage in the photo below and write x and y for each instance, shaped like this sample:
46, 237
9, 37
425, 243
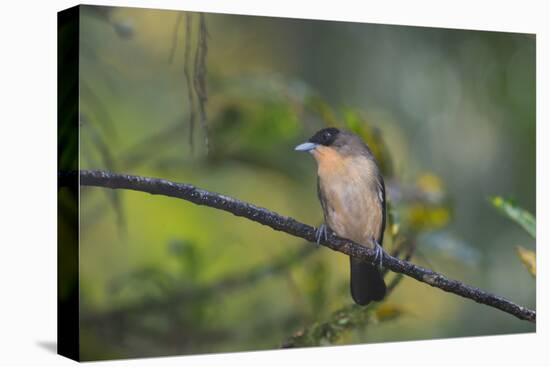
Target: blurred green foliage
350, 318
449, 115
516, 214
526, 221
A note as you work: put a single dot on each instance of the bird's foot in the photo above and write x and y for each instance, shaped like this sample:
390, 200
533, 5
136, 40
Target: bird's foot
320, 232
378, 254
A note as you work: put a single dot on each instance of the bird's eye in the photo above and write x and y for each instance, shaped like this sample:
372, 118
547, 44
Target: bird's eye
327, 137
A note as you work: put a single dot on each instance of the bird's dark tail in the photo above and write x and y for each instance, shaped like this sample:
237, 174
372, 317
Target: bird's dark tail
366, 282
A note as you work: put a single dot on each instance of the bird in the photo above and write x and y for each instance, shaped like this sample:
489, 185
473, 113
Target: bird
351, 190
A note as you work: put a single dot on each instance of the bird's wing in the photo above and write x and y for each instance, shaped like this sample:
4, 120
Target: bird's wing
322, 199
382, 198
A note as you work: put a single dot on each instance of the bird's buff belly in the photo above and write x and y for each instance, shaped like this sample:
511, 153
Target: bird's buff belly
353, 212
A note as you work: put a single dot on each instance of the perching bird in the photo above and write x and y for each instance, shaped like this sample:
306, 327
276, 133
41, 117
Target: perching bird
352, 194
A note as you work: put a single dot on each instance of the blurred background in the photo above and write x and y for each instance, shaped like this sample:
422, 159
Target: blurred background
220, 101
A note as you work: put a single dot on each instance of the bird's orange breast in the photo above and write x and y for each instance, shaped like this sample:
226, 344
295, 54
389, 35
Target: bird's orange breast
348, 185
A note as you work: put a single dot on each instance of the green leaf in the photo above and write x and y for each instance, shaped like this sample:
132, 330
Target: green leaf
515, 213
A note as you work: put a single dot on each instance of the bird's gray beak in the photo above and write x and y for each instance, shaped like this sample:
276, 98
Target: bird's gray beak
306, 147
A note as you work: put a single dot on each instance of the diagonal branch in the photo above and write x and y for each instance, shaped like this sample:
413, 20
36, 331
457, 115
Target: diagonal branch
291, 226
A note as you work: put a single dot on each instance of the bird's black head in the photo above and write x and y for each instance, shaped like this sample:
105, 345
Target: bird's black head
325, 137
342, 141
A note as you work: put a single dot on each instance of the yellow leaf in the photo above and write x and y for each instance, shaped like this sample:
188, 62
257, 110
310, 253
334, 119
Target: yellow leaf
424, 217
394, 229
388, 311
430, 183
528, 258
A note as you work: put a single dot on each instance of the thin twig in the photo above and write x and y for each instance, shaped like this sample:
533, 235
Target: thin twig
293, 227
200, 74
175, 39
187, 73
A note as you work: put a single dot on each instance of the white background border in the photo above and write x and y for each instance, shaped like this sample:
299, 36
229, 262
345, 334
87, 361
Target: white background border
28, 181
